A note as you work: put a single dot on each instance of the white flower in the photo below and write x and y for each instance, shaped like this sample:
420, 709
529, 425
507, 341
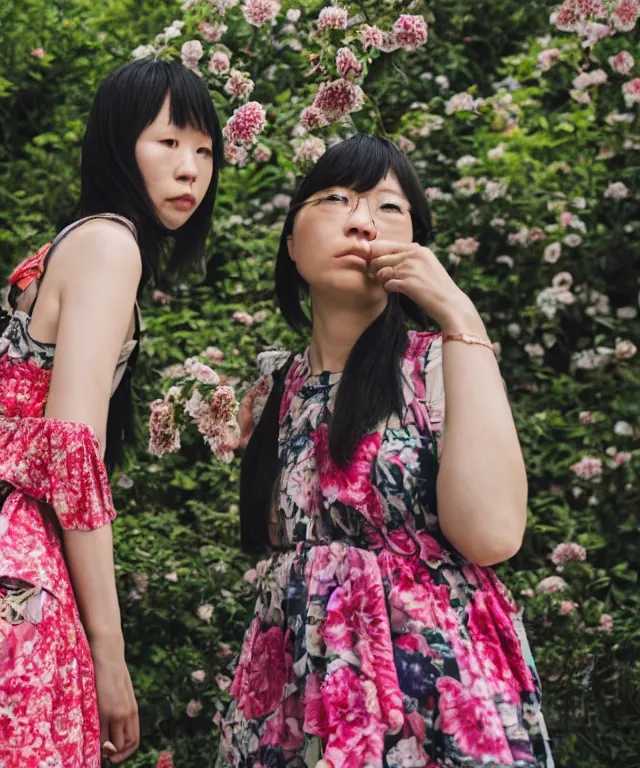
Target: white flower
623, 429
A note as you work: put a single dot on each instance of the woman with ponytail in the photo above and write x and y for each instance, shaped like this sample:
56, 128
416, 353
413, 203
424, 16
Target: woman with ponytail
381, 635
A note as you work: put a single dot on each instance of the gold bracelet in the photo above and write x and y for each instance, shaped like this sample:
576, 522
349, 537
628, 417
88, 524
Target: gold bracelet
467, 338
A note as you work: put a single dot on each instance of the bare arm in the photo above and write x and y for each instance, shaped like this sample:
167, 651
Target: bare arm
97, 271
482, 483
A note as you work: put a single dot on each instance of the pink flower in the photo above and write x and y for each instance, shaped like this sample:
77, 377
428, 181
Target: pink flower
622, 62
293, 15
547, 58
347, 63
333, 17
465, 246
405, 144
617, 190
172, 577
262, 153
631, 91
625, 349
472, 722
244, 318
164, 435
310, 149
338, 98
191, 53
213, 354
552, 253
198, 675
566, 217
312, 117
606, 622
37, 53
201, 372
566, 552
388, 44
370, 37
194, 708
551, 584
211, 33
160, 297
588, 467
236, 155
165, 760
625, 16
238, 86
259, 12
622, 458
410, 32
567, 606
222, 6
219, 63
223, 405
460, 102
245, 124
586, 417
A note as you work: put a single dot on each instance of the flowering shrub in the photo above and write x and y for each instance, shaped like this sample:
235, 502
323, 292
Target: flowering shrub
521, 120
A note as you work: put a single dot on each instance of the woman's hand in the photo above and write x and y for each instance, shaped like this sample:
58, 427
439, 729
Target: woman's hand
414, 270
116, 700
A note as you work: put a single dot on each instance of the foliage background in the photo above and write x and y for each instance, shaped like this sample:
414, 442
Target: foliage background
180, 575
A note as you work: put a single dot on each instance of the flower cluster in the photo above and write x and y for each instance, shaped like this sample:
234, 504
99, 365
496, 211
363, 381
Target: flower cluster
338, 98
245, 124
260, 12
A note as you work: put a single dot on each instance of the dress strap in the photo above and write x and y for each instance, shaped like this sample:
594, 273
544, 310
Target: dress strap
70, 228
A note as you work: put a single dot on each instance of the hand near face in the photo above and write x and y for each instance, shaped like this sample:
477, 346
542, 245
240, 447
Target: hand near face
414, 270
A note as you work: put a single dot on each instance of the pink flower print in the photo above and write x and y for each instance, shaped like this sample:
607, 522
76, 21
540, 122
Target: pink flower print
283, 727
473, 723
264, 667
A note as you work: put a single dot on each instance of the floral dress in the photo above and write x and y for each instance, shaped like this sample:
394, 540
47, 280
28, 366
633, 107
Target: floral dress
374, 642
51, 477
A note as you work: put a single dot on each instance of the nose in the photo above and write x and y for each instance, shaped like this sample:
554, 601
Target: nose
187, 169
360, 221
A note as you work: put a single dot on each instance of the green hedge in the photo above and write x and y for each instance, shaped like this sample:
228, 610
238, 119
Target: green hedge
537, 169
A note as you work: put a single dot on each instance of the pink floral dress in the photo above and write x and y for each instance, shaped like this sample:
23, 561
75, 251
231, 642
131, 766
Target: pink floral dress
51, 477
374, 642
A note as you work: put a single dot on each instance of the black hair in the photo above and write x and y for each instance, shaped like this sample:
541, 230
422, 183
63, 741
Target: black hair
127, 101
370, 388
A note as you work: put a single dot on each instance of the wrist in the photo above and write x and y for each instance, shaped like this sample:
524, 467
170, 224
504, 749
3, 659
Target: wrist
461, 316
106, 645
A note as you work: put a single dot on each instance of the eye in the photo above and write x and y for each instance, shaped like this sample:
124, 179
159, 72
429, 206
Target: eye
206, 151
391, 207
171, 143
334, 197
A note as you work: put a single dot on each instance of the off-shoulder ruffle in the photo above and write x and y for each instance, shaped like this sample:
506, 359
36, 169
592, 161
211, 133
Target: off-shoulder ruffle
57, 462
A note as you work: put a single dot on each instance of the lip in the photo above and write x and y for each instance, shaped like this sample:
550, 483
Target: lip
355, 252
184, 202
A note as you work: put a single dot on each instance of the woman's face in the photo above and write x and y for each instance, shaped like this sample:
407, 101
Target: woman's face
176, 165
332, 232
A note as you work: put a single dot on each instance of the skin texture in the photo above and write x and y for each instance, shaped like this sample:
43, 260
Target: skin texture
86, 307
482, 486
174, 161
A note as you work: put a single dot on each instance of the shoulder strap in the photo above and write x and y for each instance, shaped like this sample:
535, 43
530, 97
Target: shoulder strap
74, 225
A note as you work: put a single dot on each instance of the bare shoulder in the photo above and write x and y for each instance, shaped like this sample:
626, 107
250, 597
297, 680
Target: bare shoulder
99, 251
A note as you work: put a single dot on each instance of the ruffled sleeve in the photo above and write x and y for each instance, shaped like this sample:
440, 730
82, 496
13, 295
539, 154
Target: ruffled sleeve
57, 462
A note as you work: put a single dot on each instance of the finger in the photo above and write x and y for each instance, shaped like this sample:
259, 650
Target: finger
390, 260
384, 247
116, 732
395, 286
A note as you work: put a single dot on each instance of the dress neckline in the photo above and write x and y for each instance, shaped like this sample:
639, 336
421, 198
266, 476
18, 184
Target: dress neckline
323, 378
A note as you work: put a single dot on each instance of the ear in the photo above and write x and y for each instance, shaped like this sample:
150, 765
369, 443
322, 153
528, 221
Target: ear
290, 248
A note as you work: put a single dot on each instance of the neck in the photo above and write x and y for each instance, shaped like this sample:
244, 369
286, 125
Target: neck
335, 330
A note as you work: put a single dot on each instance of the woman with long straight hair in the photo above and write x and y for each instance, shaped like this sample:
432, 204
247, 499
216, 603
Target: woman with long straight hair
150, 163
381, 635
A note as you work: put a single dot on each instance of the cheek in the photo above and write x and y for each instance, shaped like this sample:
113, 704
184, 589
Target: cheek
151, 163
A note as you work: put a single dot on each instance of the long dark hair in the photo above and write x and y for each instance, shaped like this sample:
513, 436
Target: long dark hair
127, 101
370, 388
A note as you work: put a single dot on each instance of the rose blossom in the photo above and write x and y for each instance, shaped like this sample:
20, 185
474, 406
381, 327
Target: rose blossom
625, 349
238, 85
588, 467
625, 15
164, 435
333, 17
338, 98
310, 149
617, 190
219, 63
465, 246
347, 63
259, 12
546, 59
205, 612
370, 37
312, 117
211, 33
245, 124
191, 53
566, 552
622, 62
631, 91
410, 32
551, 584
